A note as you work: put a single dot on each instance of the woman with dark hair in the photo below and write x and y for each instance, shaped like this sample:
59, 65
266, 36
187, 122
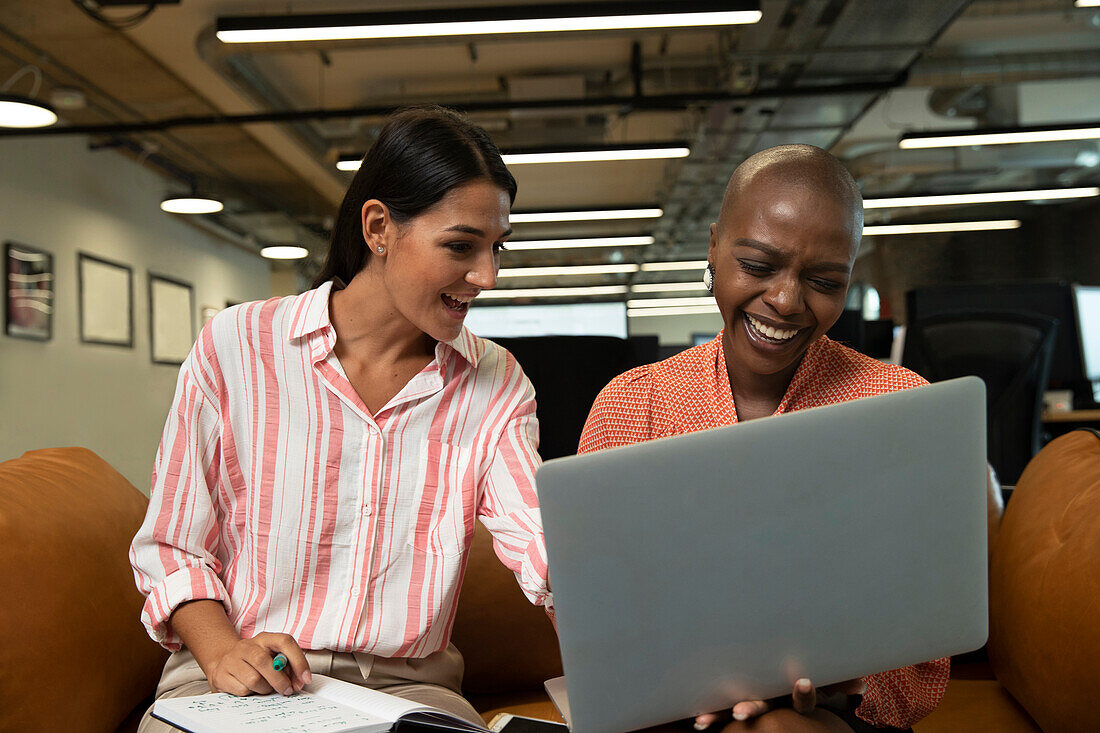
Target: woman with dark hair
327, 453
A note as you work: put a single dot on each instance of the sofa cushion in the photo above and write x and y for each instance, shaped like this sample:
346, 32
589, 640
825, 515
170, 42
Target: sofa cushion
73, 653
1044, 586
509, 645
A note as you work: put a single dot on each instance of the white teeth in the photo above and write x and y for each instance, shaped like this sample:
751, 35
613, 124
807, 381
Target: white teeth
459, 298
769, 331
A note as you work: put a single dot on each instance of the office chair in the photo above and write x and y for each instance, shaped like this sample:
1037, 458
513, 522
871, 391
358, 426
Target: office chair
1011, 352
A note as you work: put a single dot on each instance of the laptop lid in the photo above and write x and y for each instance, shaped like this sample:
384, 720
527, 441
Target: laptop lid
693, 572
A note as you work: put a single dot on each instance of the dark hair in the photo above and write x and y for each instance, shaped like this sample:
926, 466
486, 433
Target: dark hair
420, 155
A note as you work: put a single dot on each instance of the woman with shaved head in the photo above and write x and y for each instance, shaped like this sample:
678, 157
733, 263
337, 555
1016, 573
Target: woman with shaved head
779, 266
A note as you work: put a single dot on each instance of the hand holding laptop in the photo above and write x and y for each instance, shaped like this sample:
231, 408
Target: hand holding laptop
804, 698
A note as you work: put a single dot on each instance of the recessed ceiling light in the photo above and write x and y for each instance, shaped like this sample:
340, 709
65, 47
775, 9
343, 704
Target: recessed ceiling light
951, 226
549, 216
574, 243
666, 287
998, 137
552, 292
568, 270
591, 16
691, 310
706, 300
191, 205
681, 265
24, 112
596, 154
1049, 194
284, 252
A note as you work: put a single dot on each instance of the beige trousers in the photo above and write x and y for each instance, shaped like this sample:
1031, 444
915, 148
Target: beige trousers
434, 680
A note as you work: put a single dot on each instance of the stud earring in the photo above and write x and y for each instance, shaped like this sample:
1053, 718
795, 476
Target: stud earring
381, 250
708, 277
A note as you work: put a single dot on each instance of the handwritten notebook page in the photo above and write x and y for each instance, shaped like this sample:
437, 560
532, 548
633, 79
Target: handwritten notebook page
363, 698
267, 714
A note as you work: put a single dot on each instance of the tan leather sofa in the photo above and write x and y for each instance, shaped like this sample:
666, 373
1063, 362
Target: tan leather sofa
74, 657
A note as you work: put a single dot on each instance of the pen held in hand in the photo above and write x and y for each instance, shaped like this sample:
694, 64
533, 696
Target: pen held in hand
279, 662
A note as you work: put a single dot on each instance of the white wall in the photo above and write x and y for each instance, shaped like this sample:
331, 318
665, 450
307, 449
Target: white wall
57, 196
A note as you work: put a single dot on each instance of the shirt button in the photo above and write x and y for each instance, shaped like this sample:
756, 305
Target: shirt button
366, 510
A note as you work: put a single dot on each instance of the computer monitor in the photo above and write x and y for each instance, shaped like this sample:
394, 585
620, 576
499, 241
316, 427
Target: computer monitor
1051, 298
1087, 299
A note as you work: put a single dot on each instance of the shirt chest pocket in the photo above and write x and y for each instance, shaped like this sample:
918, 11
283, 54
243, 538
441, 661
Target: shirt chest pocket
443, 507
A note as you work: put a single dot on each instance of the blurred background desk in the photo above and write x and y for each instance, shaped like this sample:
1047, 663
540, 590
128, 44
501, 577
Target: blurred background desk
1060, 423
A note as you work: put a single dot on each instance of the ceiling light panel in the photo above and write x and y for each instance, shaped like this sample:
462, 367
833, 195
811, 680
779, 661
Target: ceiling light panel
595, 155
999, 137
549, 18
24, 113
692, 310
552, 292
538, 217
670, 266
1049, 194
567, 271
668, 302
950, 226
640, 241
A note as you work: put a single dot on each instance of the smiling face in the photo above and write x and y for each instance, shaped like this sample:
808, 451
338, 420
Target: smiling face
436, 263
782, 253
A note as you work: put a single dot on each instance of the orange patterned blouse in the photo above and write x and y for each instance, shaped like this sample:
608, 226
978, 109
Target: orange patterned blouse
691, 391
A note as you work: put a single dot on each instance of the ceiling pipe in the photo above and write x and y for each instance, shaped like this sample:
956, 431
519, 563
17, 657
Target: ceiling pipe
677, 102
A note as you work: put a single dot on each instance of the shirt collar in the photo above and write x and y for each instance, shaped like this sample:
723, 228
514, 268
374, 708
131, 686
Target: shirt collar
311, 315
311, 312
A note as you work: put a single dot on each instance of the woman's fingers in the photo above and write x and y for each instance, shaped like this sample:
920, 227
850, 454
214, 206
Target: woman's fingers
750, 709
299, 672
804, 697
706, 720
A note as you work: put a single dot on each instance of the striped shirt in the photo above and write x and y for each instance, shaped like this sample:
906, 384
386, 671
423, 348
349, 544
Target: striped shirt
691, 391
276, 492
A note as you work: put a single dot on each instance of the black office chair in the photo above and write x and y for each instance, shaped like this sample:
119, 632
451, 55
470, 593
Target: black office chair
1011, 352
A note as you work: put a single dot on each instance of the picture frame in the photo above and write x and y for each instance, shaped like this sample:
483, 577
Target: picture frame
29, 292
106, 300
171, 319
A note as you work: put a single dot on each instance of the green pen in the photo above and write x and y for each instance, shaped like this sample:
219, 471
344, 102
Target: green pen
279, 662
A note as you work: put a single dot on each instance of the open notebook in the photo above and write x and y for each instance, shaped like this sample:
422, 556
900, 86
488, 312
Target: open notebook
325, 704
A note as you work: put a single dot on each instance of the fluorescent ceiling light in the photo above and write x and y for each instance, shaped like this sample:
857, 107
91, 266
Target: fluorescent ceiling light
482, 21
693, 310
284, 252
547, 216
572, 243
682, 265
349, 164
665, 302
569, 270
24, 112
1088, 3
666, 287
951, 226
552, 292
191, 205
998, 137
1049, 194
588, 156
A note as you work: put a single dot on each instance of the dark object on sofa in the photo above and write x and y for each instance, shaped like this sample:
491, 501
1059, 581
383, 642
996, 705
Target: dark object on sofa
1011, 352
568, 372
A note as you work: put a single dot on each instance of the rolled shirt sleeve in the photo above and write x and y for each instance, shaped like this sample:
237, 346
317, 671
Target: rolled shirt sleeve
509, 507
174, 554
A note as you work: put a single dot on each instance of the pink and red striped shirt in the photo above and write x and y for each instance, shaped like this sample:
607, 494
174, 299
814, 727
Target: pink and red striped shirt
276, 492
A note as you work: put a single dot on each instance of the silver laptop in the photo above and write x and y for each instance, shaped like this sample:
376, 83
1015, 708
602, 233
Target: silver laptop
696, 571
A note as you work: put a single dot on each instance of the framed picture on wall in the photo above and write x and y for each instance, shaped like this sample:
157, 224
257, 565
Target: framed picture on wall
29, 303
171, 319
106, 301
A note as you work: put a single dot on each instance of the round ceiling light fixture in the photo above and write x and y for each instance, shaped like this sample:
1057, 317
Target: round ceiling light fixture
24, 112
191, 204
284, 252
